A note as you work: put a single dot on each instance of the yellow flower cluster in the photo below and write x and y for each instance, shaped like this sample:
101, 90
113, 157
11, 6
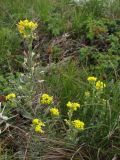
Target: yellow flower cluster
73, 106
92, 79
78, 124
54, 111
10, 96
26, 27
100, 85
38, 125
35, 121
46, 99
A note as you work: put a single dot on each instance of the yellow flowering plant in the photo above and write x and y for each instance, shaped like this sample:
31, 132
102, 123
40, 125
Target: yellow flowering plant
38, 129
10, 96
92, 79
46, 99
100, 85
35, 121
11, 100
93, 99
77, 124
27, 29
54, 112
37, 125
73, 106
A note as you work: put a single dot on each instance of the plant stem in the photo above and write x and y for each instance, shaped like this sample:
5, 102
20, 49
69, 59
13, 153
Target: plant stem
30, 63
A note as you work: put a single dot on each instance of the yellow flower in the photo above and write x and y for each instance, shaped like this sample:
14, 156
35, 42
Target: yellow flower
69, 104
78, 124
10, 96
26, 27
46, 99
73, 106
35, 121
54, 111
100, 85
87, 94
38, 129
92, 79
38, 124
